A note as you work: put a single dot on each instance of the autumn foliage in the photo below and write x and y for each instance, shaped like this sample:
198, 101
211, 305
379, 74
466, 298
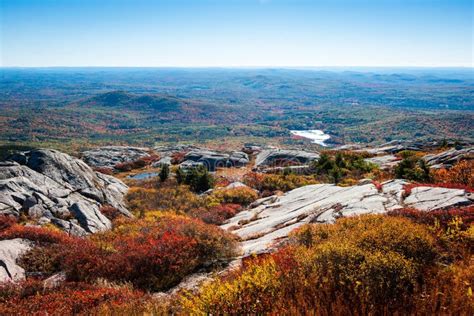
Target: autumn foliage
32, 298
368, 265
143, 253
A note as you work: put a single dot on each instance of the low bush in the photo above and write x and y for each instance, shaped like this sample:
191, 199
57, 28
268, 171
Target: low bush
216, 214
167, 198
461, 173
240, 195
35, 234
31, 298
150, 254
276, 182
340, 165
7, 222
367, 265
443, 217
105, 170
110, 212
252, 292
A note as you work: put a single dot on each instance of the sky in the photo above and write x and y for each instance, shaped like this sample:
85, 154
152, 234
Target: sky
236, 33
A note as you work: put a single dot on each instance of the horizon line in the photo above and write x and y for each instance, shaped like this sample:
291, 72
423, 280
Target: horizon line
257, 67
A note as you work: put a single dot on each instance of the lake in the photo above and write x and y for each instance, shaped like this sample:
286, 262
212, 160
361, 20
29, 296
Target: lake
317, 136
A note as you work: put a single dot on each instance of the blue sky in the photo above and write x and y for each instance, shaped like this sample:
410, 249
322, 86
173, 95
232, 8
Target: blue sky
203, 33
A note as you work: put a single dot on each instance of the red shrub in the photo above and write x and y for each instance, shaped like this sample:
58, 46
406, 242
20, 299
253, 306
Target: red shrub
378, 185
6, 222
177, 158
110, 212
136, 164
152, 254
217, 214
36, 234
105, 170
148, 160
31, 298
442, 217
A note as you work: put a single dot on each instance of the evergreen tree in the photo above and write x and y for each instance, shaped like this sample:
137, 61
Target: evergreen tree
164, 172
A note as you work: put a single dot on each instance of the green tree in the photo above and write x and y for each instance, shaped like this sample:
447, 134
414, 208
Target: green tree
199, 179
164, 172
336, 173
413, 168
180, 176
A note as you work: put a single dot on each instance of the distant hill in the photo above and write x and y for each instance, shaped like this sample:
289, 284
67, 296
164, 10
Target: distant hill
131, 101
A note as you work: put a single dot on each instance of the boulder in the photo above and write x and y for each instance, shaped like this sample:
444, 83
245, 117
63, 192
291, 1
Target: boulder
213, 160
50, 186
270, 220
447, 158
10, 251
280, 157
110, 156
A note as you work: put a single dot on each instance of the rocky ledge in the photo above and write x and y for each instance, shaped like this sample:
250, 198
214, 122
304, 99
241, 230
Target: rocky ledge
271, 158
110, 156
52, 187
447, 158
271, 219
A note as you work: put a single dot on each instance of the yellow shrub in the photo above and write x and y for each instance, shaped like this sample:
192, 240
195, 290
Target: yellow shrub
374, 233
251, 292
239, 195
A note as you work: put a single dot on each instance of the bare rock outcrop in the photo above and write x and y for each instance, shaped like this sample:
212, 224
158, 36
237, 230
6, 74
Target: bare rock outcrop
273, 218
110, 156
10, 251
448, 158
279, 157
52, 187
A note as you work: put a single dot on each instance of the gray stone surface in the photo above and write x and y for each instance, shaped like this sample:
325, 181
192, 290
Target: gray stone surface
385, 162
10, 251
271, 219
449, 157
278, 157
55, 187
109, 156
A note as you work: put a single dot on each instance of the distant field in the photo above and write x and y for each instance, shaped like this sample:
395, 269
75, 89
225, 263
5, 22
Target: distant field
73, 108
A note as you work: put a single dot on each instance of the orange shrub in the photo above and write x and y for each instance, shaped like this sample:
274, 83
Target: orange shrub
35, 233
462, 174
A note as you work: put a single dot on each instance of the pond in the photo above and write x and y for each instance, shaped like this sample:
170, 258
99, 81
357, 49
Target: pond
317, 136
143, 176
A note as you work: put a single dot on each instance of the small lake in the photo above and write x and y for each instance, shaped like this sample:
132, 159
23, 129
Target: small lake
143, 176
317, 136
